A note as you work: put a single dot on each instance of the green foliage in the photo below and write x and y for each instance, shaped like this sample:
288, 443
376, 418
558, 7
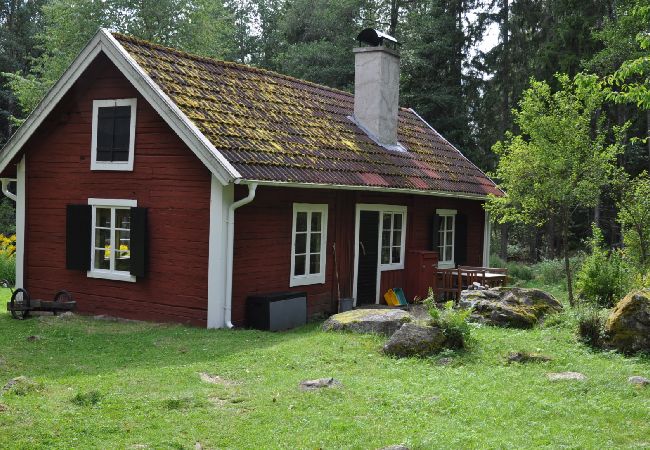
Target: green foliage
454, 322
634, 217
552, 271
603, 277
517, 271
591, 326
90, 398
8, 267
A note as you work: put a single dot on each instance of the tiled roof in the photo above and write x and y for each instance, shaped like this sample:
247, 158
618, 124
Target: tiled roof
272, 127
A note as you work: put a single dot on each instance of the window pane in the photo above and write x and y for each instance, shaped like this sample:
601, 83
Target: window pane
397, 237
299, 265
102, 259
301, 221
385, 255
314, 263
102, 237
105, 124
123, 218
314, 243
397, 222
450, 237
123, 261
386, 221
396, 255
103, 217
441, 250
385, 238
123, 239
316, 218
301, 243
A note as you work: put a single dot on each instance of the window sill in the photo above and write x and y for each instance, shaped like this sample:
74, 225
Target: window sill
446, 265
387, 267
304, 281
111, 275
118, 167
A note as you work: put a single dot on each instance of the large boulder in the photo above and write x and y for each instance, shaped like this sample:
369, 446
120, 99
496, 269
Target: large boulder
415, 340
509, 306
628, 325
377, 321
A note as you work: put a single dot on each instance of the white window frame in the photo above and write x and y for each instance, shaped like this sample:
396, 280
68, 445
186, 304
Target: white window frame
448, 263
119, 275
398, 265
113, 165
307, 278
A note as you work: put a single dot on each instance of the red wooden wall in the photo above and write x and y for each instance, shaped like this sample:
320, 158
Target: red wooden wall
263, 241
167, 178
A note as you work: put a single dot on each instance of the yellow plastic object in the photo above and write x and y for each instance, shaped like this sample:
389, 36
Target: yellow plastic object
391, 298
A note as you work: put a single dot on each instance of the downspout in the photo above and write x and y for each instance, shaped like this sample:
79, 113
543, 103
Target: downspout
231, 241
5, 188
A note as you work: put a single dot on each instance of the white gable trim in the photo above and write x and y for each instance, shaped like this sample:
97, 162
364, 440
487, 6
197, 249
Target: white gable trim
104, 41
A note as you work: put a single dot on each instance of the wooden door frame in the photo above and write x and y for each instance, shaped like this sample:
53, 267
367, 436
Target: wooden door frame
357, 217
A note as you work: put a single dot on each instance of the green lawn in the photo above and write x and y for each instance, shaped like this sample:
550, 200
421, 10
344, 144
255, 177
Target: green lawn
133, 385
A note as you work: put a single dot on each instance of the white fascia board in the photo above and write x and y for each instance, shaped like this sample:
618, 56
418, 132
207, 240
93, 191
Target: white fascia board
459, 195
103, 41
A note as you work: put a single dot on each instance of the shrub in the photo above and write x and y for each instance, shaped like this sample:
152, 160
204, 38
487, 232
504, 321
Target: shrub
603, 277
591, 327
452, 321
91, 398
634, 217
8, 258
516, 270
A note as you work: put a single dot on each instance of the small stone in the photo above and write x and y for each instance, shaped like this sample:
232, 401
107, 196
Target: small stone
198, 446
395, 447
445, 361
566, 376
310, 385
638, 381
3, 408
20, 385
524, 357
33, 338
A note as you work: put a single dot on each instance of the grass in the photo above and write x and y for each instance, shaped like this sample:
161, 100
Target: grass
104, 384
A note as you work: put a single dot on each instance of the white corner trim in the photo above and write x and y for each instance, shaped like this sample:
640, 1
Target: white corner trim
221, 197
113, 165
487, 235
103, 41
316, 278
21, 202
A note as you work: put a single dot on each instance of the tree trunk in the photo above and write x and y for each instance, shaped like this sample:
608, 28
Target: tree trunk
567, 263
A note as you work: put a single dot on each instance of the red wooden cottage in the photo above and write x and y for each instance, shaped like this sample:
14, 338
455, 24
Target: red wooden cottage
158, 185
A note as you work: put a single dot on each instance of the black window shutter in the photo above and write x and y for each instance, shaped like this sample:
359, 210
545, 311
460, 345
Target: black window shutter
460, 244
435, 233
78, 228
139, 242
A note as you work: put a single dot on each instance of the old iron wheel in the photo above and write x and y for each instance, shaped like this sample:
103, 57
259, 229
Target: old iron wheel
19, 298
62, 297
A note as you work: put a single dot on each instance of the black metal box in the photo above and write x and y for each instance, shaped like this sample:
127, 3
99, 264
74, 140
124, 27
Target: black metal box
276, 311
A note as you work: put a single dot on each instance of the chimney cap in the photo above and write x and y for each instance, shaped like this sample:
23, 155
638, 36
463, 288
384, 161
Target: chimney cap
374, 38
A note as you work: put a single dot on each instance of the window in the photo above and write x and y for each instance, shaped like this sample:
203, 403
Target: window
392, 240
111, 239
113, 134
446, 237
309, 237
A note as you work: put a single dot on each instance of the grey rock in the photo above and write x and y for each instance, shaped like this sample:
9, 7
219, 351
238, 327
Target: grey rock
566, 376
311, 385
639, 381
395, 447
524, 357
20, 385
33, 338
509, 306
628, 326
377, 321
445, 361
415, 340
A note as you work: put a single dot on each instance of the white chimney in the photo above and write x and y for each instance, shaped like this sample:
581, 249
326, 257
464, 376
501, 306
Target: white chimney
376, 86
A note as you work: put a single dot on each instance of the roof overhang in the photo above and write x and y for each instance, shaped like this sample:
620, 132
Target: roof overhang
288, 184
103, 41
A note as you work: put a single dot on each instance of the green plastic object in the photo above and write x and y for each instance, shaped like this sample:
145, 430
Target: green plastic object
400, 296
